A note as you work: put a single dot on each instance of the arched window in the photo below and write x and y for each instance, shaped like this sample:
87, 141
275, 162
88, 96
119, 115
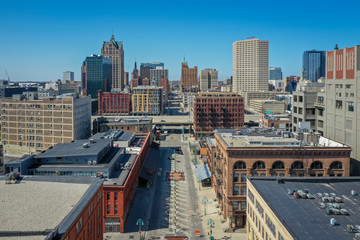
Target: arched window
336, 165
317, 165
259, 165
297, 165
278, 165
239, 165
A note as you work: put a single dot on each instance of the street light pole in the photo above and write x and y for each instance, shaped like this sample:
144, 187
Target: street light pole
205, 201
140, 223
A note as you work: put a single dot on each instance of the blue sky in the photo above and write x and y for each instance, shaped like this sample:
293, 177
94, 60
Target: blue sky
41, 39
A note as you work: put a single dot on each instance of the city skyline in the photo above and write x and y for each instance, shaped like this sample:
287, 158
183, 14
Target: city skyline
58, 39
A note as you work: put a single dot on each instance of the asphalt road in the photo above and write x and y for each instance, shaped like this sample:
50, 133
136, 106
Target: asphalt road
162, 218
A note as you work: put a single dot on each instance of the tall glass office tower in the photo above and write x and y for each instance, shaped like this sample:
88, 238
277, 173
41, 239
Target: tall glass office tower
313, 65
96, 74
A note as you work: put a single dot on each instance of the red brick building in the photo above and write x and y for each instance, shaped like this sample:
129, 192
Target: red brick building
89, 223
113, 103
119, 192
213, 110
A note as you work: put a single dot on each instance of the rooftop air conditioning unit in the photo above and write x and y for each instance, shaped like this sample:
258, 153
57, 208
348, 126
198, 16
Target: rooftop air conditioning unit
94, 162
85, 145
92, 140
89, 162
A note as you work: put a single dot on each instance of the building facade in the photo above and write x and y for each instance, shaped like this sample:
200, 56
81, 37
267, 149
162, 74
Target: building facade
147, 100
239, 155
68, 76
217, 111
268, 106
342, 92
275, 73
313, 65
290, 83
96, 75
157, 74
111, 103
189, 76
31, 126
114, 51
208, 78
265, 95
250, 65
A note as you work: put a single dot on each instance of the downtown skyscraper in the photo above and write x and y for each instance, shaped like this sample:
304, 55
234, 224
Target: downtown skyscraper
114, 51
313, 65
250, 65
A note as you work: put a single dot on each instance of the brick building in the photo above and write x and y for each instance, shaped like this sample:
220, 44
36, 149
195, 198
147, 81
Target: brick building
213, 110
253, 153
189, 78
104, 156
111, 104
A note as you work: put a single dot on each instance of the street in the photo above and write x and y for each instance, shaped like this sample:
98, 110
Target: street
188, 215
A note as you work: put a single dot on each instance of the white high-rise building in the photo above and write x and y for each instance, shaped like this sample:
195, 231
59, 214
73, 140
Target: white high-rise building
250, 65
208, 78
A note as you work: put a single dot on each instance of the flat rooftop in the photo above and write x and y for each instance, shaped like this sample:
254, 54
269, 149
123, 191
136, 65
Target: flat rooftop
33, 204
75, 148
303, 218
257, 141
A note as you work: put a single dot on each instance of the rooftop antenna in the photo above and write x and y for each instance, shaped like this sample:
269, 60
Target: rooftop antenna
7, 76
336, 47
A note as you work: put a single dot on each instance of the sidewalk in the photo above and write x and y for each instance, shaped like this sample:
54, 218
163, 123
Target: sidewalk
212, 212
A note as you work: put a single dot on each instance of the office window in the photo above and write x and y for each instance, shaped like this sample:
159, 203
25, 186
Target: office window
350, 106
236, 177
338, 104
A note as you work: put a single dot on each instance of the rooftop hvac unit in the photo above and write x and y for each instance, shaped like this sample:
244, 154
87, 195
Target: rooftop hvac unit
94, 162
89, 162
92, 140
85, 145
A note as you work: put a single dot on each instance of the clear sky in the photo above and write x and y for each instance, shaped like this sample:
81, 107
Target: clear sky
41, 39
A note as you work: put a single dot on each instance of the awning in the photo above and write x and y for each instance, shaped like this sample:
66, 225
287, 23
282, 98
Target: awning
202, 172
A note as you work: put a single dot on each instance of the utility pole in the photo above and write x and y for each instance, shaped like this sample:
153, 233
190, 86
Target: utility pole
140, 223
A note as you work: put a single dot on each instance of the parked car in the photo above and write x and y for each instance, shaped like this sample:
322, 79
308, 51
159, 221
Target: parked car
179, 151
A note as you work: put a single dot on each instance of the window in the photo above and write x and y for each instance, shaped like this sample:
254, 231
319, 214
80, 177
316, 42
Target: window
98, 212
235, 205
115, 196
116, 209
300, 110
317, 165
295, 98
300, 99
350, 106
236, 191
89, 227
336, 165
259, 165
108, 195
338, 104
321, 100
236, 177
243, 177
243, 190
251, 196
239, 165
295, 109
243, 205
108, 209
